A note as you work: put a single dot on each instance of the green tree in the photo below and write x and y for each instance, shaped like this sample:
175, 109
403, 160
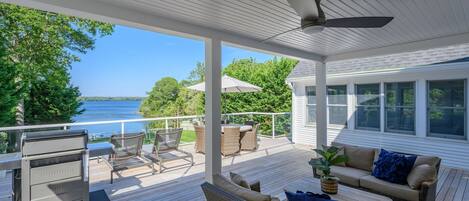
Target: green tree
50, 102
43, 45
161, 98
270, 76
8, 90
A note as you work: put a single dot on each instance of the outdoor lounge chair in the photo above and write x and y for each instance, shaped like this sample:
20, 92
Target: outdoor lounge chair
200, 139
128, 153
165, 147
249, 139
230, 141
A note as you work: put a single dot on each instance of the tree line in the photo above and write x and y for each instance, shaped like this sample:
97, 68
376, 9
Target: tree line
37, 49
170, 97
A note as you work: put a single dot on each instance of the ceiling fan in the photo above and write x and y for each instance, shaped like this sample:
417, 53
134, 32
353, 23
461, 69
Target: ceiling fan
313, 19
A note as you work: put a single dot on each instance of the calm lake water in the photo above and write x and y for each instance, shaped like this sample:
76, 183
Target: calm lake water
109, 110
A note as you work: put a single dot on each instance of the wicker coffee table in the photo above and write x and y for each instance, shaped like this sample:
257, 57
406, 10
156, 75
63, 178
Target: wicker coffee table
345, 193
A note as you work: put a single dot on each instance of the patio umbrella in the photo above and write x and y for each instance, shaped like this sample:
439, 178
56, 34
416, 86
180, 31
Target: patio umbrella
229, 85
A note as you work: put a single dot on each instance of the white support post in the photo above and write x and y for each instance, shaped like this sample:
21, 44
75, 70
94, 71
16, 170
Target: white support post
381, 108
350, 106
321, 105
273, 126
421, 108
212, 108
166, 125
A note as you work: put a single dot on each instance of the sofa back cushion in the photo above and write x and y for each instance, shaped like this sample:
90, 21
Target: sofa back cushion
239, 180
229, 186
429, 160
359, 157
419, 174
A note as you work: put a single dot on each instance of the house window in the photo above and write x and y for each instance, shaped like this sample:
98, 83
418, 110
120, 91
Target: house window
400, 107
367, 107
447, 108
337, 105
311, 104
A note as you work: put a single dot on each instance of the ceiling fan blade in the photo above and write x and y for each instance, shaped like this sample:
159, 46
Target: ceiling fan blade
358, 22
279, 34
304, 8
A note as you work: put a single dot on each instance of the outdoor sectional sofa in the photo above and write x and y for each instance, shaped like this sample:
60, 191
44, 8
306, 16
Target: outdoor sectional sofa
357, 172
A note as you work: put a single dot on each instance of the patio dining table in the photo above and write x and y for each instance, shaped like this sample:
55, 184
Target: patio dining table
242, 128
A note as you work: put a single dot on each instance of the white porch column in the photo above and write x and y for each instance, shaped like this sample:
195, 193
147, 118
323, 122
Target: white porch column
212, 108
421, 108
321, 105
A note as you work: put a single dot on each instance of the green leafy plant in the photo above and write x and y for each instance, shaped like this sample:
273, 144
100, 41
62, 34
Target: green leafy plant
329, 156
3, 142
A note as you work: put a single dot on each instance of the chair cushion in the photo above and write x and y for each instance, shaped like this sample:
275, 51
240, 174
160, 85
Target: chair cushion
238, 179
227, 185
388, 188
393, 167
421, 174
360, 157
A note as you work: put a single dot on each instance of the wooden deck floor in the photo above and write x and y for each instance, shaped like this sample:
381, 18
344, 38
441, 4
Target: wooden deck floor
275, 164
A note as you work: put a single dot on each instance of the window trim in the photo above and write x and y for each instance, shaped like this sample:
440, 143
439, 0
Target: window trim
386, 130
307, 122
329, 125
338, 105
356, 106
427, 99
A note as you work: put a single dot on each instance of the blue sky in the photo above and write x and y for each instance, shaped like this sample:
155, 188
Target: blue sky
130, 61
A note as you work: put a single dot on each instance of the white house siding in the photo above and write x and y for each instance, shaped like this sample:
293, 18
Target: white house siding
455, 153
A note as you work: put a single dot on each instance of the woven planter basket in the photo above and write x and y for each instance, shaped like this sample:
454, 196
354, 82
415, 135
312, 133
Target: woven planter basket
329, 186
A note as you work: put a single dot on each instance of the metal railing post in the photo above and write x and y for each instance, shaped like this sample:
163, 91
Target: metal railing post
122, 129
166, 126
273, 126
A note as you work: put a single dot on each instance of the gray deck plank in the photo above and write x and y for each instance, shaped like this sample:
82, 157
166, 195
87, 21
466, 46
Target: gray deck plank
275, 164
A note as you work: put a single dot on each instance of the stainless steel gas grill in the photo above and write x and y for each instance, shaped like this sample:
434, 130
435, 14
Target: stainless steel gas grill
54, 166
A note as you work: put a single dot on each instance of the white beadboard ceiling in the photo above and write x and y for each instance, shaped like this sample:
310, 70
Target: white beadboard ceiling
256, 20
414, 20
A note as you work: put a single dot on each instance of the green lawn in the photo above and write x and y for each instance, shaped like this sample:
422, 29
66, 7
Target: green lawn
188, 136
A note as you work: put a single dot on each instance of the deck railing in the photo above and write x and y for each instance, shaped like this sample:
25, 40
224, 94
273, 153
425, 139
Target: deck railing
272, 124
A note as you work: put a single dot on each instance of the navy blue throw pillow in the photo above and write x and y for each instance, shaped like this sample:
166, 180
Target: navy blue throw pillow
393, 167
308, 196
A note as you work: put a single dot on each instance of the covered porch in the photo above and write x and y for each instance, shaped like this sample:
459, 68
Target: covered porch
417, 25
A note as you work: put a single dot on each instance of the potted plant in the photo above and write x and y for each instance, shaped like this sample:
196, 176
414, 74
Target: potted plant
329, 156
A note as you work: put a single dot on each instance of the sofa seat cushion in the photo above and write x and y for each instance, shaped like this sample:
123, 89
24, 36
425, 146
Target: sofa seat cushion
395, 190
347, 175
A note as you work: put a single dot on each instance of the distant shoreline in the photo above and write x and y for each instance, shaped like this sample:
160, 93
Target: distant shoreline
102, 98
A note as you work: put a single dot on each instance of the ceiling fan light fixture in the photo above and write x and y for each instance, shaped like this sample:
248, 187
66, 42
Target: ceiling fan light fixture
313, 29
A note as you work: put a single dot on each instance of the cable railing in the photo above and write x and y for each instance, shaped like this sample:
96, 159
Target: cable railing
271, 124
